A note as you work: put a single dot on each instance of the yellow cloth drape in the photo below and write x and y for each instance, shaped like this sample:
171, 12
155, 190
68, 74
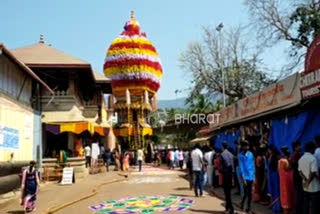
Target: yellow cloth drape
99, 130
76, 128
146, 131
124, 132
80, 127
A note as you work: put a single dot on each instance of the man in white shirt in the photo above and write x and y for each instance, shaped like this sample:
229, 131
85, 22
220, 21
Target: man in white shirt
197, 163
309, 172
87, 152
208, 156
140, 158
317, 152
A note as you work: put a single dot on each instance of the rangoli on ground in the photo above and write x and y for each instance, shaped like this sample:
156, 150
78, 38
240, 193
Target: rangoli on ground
143, 205
153, 171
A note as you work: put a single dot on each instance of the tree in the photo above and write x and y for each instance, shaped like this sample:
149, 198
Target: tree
295, 21
171, 113
223, 52
200, 104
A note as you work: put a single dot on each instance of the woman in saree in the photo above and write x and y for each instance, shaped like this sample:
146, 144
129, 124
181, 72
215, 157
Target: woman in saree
29, 187
287, 188
125, 161
216, 165
273, 180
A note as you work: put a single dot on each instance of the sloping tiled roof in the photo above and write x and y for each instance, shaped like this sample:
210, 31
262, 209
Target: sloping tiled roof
23, 66
42, 55
99, 78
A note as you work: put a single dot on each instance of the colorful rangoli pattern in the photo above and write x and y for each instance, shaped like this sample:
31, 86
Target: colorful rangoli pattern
143, 205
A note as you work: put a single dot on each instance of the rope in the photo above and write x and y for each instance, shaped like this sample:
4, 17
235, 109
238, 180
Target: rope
52, 210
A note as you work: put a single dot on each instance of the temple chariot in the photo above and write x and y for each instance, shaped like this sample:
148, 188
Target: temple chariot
133, 65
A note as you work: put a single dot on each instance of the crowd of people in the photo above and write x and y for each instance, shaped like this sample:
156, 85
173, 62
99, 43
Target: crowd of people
122, 160
287, 183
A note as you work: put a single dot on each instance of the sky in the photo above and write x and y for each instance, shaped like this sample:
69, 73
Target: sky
85, 29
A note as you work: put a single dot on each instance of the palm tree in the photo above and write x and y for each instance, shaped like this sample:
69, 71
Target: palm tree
201, 105
171, 114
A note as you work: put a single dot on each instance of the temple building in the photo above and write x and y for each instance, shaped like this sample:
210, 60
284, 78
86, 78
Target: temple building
20, 118
134, 67
75, 115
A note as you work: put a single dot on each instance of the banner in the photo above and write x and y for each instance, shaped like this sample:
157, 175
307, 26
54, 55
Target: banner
310, 78
283, 93
310, 84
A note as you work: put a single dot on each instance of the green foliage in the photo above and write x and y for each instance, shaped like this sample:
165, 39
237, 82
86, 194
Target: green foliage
307, 19
181, 140
156, 138
199, 104
294, 21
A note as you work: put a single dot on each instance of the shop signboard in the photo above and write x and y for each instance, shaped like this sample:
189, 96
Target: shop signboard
67, 176
310, 78
9, 138
283, 93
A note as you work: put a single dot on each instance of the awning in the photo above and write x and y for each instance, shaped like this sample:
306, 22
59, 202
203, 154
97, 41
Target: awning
129, 131
246, 119
202, 140
123, 132
77, 128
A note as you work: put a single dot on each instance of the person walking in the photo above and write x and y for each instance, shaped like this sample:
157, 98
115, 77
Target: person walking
287, 191
227, 168
87, 152
309, 172
125, 161
247, 171
297, 180
180, 156
159, 158
317, 152
197, 163
237, 168
185, 157
204, 170
218, 177
273, 179
117, 158
208, 156
102, 149
171, 158
260, 184
107, 158
190, 171
140, 158
176, 158
29, 187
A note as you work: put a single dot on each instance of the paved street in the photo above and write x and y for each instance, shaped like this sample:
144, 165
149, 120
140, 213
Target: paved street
157, 185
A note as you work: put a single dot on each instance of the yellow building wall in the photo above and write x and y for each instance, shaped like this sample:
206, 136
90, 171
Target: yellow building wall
21, 118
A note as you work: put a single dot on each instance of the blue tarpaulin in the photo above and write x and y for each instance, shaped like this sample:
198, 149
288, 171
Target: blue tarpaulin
229, 137
303, 127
